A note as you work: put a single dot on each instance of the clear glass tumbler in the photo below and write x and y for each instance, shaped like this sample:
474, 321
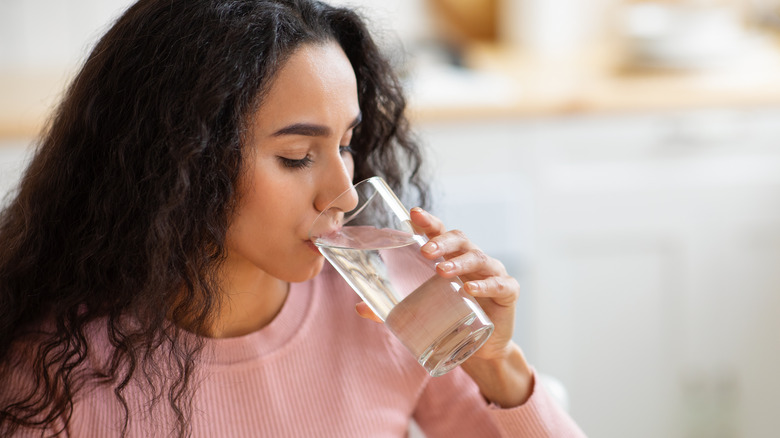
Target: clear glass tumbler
377, 251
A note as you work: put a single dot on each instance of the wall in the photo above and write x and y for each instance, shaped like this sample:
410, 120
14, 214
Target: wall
40, 34
46, 34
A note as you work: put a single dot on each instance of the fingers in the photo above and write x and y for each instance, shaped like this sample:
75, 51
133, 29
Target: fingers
504, 291
483, 276
441, 243
364, 311
463, 257
472, 262
447, 244
426, 223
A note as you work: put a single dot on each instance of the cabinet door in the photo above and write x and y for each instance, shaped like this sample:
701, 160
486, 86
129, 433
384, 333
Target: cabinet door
643, 295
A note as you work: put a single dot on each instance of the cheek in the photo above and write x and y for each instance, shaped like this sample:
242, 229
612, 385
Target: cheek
262, 194
258, 212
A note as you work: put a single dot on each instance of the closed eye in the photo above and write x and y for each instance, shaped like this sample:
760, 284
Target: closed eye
291, 163
346, 150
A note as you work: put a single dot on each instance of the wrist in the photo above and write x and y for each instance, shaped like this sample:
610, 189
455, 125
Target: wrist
506, 380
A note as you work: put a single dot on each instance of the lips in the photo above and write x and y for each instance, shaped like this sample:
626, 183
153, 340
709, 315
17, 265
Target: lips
327, 222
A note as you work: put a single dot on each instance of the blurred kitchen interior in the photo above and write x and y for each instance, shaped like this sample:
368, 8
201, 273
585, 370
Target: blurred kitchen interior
622, 158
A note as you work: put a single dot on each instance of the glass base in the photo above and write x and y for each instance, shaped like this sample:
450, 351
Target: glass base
456, 345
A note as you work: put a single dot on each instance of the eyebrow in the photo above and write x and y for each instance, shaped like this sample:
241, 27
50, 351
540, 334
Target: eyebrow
312, 130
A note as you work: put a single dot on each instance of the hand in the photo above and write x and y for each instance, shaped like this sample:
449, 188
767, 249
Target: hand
499, 367
484, 277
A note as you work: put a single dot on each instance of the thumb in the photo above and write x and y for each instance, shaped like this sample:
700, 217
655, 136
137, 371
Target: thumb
364, 311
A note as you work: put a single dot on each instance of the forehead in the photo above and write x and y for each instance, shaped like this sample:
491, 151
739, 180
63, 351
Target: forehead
316, 84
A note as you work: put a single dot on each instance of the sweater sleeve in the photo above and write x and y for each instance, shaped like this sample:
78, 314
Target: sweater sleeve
451, 406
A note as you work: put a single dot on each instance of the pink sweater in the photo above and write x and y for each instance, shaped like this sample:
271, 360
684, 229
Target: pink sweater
319, 370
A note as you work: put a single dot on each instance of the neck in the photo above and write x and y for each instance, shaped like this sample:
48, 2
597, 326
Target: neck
251, 300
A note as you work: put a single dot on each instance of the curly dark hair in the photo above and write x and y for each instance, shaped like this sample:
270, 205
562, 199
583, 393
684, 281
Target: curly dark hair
120, 218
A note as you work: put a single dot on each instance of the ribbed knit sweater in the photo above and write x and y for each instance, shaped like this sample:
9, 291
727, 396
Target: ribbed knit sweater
319, 370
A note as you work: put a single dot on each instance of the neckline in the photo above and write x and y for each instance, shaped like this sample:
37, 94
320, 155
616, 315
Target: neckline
278, 333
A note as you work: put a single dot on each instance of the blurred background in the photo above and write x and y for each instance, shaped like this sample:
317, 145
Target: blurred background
622, 158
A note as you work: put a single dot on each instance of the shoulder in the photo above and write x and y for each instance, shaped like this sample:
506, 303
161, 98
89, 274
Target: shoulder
43, 347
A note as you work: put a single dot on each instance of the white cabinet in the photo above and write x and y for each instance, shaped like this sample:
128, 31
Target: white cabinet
648, 246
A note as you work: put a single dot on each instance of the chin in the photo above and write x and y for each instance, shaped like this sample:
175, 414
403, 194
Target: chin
308, 271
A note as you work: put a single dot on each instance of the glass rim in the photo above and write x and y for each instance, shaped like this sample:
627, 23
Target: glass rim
380, 188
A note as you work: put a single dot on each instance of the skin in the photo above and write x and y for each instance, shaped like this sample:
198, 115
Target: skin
297, 166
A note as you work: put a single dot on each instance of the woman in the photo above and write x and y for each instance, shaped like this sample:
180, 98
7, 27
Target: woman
155, 274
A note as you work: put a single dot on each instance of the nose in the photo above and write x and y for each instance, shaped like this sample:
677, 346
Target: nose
336, 191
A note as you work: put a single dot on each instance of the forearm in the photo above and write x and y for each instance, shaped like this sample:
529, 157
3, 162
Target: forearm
507, 381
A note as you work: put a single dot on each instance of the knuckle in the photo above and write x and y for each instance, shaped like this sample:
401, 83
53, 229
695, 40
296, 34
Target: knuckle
458, 233
501, 286
480, 256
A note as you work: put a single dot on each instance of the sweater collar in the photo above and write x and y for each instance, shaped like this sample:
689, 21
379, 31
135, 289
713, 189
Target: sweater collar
279, 332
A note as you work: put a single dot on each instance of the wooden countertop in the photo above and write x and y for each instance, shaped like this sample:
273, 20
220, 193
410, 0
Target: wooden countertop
27, 99
591, 82
596, 82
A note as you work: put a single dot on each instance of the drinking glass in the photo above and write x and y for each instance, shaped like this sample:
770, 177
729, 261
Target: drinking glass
376, 250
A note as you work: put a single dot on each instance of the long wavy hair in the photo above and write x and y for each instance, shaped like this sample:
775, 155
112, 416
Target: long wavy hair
120, 218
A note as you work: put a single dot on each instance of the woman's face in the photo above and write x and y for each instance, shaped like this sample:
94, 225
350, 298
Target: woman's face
297, 163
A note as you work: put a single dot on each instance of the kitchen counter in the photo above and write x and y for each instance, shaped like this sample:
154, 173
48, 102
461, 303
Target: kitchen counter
503, 82
596, 81
27, 99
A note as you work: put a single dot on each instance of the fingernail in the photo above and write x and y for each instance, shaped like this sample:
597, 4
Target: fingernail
473, 287
430, 247
446, 266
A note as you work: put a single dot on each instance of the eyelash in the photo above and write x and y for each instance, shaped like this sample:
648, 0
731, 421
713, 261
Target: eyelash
296, 164
306, 161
